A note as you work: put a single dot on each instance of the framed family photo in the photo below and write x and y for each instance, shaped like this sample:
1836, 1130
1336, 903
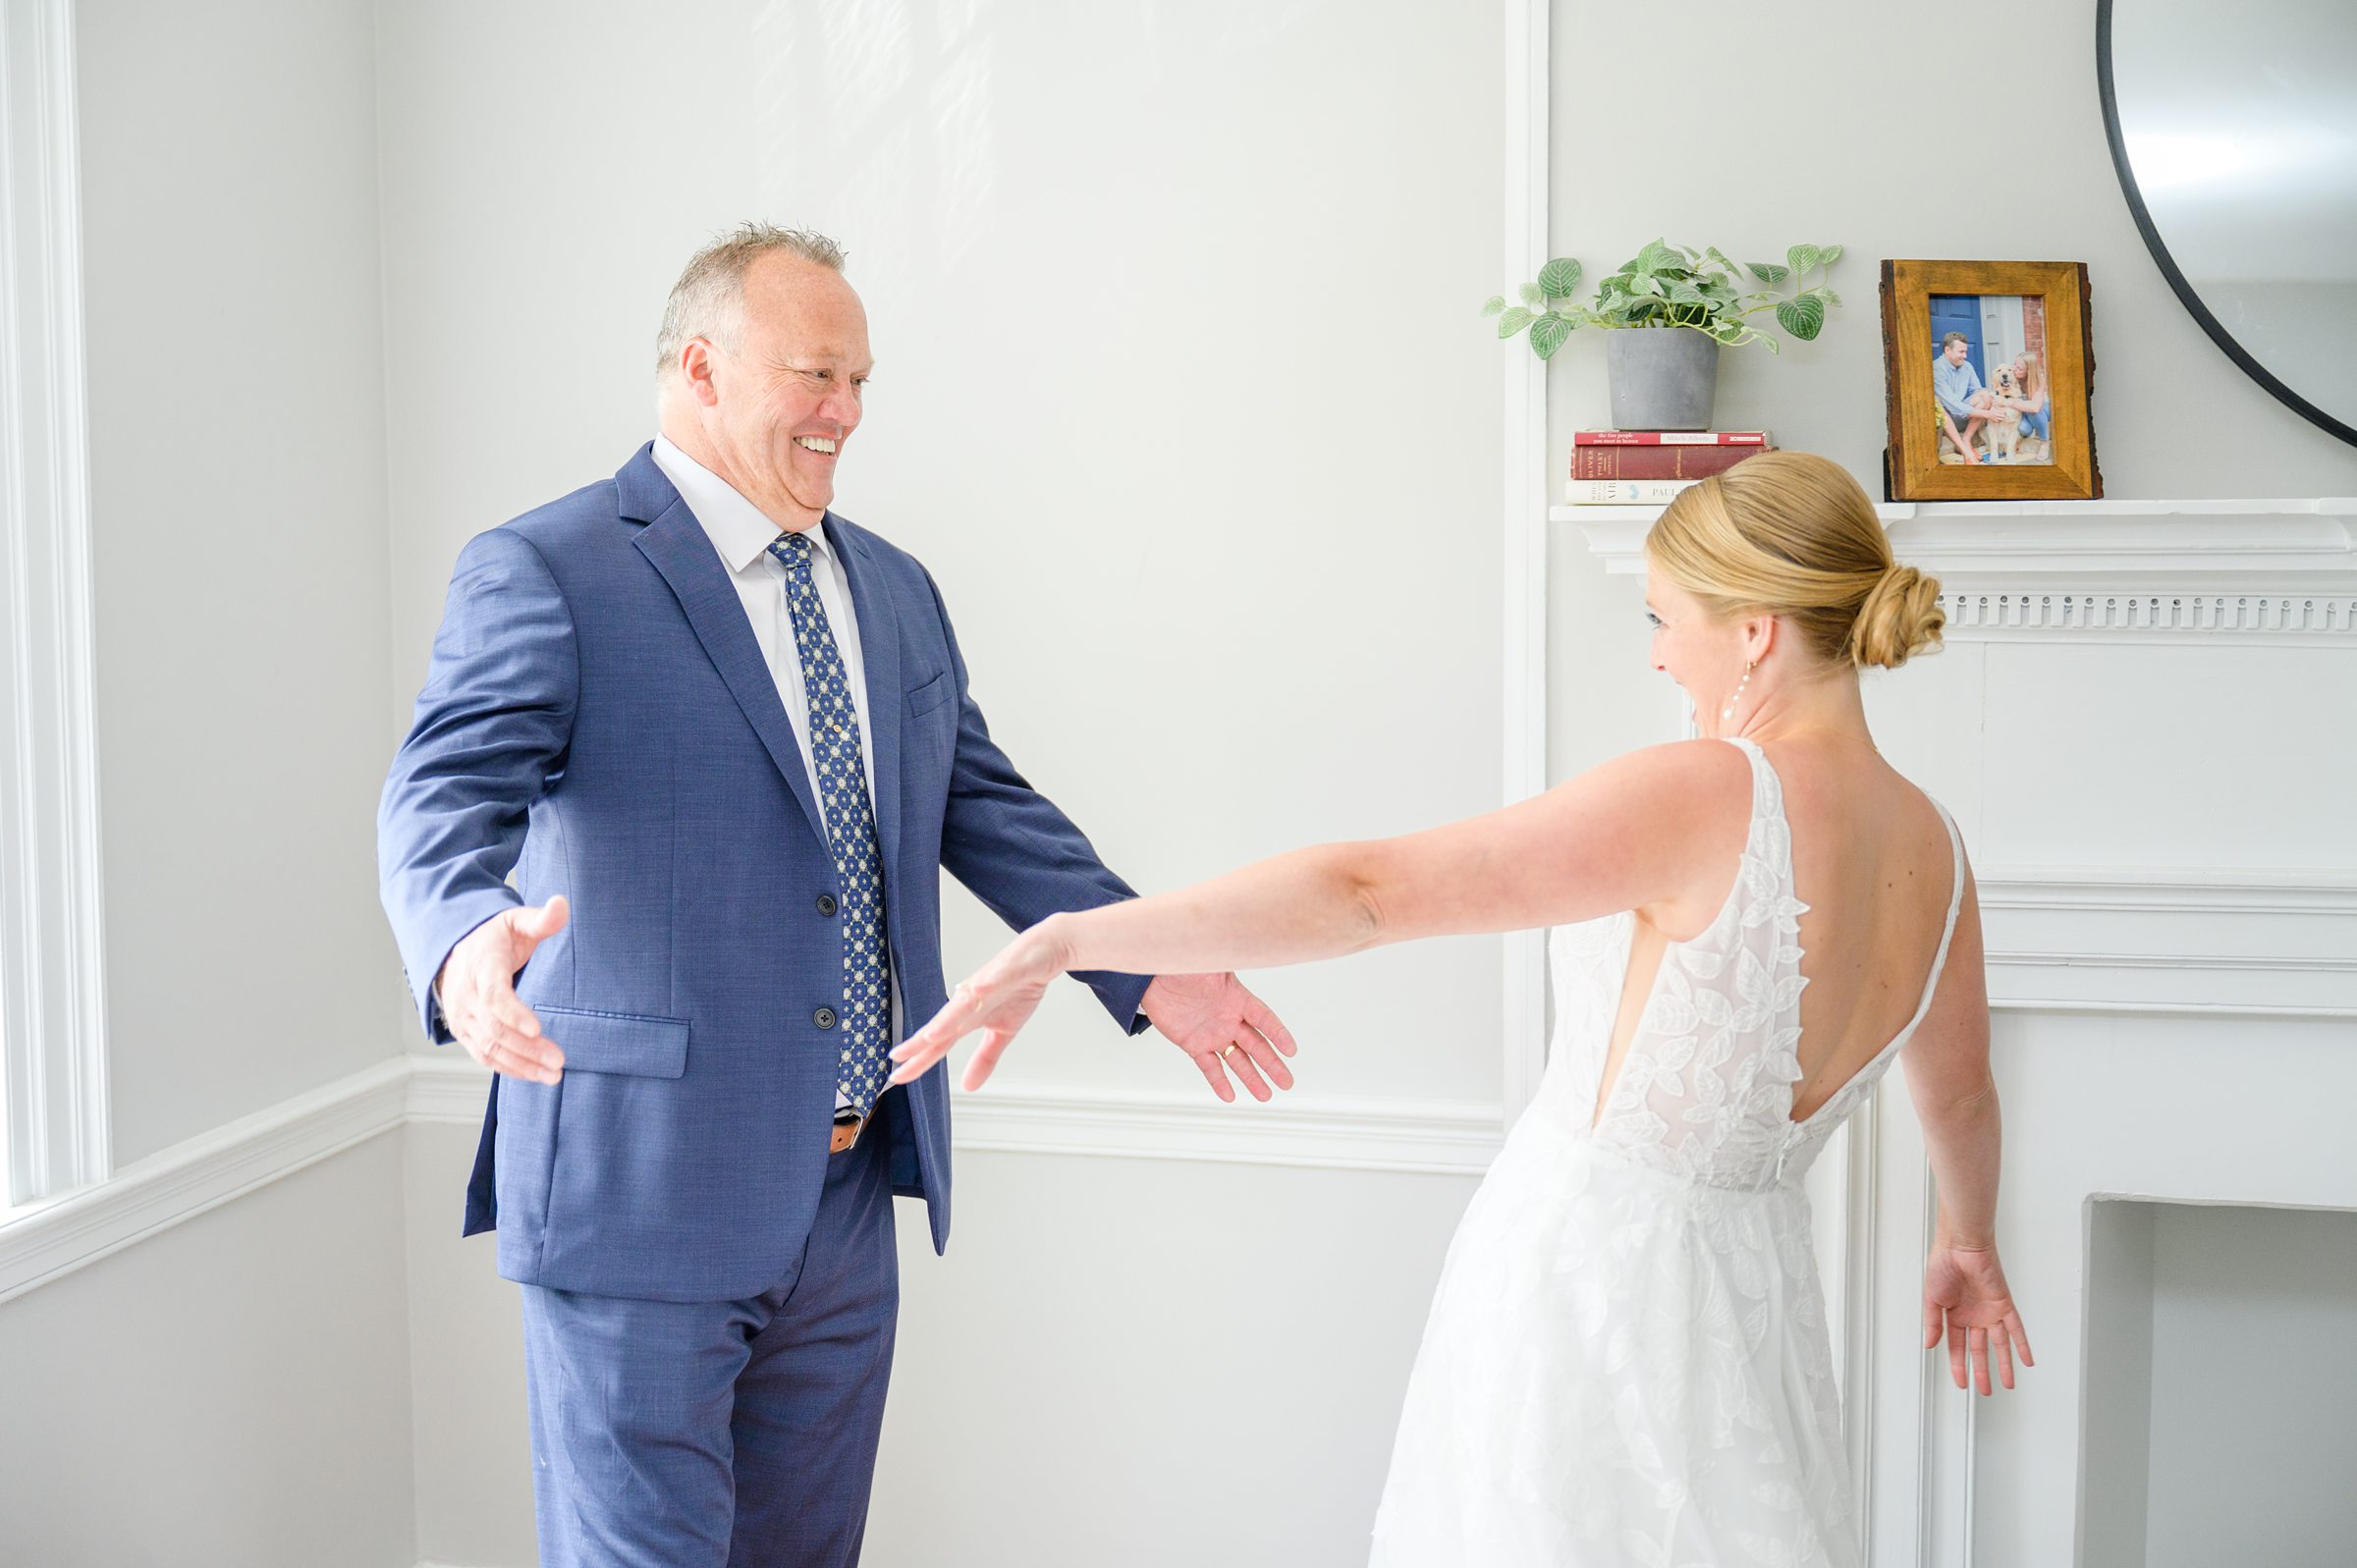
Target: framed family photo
1985, 370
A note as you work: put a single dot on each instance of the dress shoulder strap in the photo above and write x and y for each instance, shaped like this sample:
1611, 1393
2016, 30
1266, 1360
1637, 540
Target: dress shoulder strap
1955, 907
1766, 789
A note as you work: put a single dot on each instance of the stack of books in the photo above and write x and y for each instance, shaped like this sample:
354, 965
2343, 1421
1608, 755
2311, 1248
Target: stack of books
1649, 468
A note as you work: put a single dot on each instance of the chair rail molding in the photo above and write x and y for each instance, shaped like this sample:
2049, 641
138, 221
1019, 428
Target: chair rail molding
53, 1103
46, 1241
1422, 1137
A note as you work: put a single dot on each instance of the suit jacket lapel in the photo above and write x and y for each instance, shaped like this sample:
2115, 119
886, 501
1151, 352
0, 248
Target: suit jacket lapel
680, 549
880, 654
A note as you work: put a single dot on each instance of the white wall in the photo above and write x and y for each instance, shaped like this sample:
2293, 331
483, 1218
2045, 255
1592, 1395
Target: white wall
470, 1433
229, 1393
234, 1391
1188, 412
1183, 396
2309, 332
236, 426
1154, 1365
1799, 136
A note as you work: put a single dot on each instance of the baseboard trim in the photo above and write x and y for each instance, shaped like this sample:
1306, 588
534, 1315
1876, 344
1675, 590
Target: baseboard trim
46, 1241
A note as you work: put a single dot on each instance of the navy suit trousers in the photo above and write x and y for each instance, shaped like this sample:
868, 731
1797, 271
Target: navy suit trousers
694, 1435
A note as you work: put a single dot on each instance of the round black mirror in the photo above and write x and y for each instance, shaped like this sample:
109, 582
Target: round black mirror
2235, 137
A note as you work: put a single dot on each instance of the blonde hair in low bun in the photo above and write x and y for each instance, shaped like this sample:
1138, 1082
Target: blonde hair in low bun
1792, 534
1901, 618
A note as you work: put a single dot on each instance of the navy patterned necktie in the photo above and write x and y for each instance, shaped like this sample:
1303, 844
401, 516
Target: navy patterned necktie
841, 764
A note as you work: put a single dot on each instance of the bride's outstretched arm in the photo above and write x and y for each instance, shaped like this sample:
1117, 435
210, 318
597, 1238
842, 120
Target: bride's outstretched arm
1624, 835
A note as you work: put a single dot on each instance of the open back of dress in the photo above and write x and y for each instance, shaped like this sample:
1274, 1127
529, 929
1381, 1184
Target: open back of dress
1705, 1089
1626, 1361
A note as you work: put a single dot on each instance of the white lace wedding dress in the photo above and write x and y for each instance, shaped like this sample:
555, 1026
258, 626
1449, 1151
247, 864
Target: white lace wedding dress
1626, 1361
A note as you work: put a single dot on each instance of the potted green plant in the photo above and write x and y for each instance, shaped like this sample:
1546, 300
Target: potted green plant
1667, 380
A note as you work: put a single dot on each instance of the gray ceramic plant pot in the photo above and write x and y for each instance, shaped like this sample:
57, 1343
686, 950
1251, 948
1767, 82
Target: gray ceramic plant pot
1663, 378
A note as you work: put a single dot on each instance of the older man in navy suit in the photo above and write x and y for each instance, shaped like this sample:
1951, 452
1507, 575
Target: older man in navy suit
723, 737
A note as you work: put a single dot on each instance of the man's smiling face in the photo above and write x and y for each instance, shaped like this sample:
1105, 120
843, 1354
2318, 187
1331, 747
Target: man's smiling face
787, 394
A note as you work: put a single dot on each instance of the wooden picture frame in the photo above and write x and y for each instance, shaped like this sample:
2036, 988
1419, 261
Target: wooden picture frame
2022, 323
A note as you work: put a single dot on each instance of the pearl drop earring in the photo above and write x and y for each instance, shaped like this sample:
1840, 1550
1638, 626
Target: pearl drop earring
1728, 713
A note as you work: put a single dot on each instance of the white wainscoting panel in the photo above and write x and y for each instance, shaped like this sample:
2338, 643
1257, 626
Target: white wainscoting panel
2276, 943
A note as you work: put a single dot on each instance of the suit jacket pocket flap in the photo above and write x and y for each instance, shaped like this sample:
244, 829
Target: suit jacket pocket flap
617, 1041
931, 696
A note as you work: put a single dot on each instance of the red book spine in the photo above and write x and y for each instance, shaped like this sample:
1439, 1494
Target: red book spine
1671, 438
1656, 462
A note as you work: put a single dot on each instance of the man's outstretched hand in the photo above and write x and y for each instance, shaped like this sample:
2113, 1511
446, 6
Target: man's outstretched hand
477, 992
1224, 1029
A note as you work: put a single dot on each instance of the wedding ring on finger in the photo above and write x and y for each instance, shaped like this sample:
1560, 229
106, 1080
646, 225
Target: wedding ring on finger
1229, 1050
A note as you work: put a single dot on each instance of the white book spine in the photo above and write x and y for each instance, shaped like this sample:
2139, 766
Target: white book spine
1624, 492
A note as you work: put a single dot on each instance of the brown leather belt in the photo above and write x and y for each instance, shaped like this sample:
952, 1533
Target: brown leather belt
849, 1125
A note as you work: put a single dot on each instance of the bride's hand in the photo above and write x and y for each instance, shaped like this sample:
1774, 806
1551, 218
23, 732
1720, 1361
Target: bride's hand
998, 998
1965, 1297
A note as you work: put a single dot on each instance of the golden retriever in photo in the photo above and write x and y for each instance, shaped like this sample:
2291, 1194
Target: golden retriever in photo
2004, 420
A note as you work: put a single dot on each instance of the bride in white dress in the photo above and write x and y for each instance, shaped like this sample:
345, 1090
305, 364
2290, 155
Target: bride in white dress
1626, 1361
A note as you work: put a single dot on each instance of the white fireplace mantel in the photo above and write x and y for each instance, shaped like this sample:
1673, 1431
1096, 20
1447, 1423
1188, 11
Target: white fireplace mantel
2262, 571
2060, 544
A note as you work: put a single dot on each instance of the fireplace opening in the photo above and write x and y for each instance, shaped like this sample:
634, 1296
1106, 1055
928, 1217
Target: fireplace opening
2220, 1391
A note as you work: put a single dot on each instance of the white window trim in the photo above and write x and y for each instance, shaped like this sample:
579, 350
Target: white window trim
52, 991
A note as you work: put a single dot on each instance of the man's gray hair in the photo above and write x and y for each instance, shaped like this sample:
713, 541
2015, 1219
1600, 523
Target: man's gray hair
708, 301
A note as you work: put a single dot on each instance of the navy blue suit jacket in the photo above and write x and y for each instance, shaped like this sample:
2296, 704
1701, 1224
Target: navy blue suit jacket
597, 705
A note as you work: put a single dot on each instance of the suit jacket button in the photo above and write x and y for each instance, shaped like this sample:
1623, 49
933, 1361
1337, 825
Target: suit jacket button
824, 1018
826, 903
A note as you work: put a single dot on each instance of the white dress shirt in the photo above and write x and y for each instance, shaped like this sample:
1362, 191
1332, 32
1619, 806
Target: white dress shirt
742, 533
